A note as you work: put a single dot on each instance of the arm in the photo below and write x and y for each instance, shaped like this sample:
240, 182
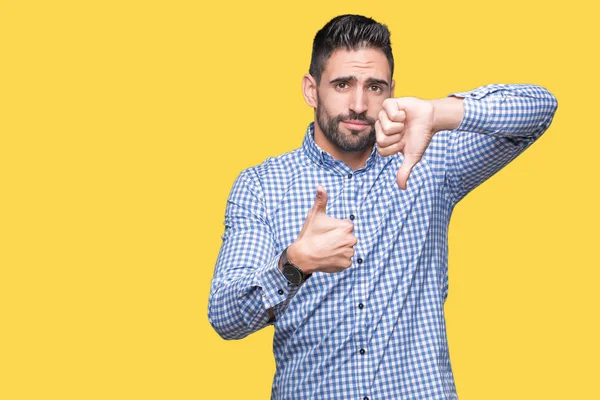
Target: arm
248, 289
497, 123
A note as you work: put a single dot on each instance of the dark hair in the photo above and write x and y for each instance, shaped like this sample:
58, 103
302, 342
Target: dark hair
349, 32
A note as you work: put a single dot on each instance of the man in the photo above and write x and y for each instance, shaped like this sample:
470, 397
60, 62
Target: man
355, 279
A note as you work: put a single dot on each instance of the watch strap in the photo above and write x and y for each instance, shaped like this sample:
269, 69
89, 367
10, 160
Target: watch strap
286, 265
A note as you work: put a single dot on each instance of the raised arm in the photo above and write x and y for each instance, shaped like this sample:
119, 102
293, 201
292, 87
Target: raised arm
499, 123
484, 130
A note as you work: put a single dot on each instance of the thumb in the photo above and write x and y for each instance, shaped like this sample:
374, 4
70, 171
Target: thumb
320, 205
404, 172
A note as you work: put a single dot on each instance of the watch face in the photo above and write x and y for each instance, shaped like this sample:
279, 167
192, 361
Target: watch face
293, 274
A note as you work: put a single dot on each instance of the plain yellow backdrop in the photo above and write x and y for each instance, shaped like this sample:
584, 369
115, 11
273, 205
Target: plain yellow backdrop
123, 125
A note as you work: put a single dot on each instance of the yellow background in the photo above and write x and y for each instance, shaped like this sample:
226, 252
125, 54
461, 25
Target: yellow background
123, 125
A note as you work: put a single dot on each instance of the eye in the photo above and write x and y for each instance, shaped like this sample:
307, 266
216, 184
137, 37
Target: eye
376, 88
341, 85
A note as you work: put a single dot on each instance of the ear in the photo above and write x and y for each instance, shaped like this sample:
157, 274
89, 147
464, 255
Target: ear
309, 89
392, 88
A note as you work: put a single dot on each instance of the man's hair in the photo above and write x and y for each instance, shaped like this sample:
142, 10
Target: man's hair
349, 32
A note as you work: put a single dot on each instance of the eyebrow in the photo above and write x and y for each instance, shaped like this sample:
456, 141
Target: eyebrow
353, 79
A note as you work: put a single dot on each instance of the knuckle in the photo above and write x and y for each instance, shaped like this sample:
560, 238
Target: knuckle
386, 126
382, 115
397, 115
387, 102
344, 224
392, 113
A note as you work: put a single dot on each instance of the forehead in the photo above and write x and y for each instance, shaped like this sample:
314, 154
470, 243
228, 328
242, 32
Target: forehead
368, 63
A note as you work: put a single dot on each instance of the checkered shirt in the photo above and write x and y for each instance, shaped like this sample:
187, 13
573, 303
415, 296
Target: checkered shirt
376, 330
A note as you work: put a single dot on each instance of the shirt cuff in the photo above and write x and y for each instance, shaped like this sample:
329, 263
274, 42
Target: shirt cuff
476, 110
274, 284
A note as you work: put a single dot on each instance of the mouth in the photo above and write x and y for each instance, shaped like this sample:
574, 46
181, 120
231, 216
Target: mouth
356, 125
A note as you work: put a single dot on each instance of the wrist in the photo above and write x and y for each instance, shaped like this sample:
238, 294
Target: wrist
447, 113
288, 267
294, 256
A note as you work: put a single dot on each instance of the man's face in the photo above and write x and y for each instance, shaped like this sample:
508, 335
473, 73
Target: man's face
353, 87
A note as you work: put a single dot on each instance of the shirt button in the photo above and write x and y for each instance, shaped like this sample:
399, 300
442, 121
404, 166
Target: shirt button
361, 305
280, 291
362, 352
349, 176
359, 261
352, 217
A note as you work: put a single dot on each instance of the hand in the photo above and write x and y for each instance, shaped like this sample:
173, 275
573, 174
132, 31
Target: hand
325, 244
405, 125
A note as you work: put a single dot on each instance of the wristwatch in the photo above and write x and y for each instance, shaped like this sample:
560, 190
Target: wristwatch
292, 272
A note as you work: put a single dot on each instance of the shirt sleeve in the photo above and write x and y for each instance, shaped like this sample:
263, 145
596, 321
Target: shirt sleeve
500, 121
247, 280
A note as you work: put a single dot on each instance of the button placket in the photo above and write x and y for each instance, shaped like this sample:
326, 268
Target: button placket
361, 320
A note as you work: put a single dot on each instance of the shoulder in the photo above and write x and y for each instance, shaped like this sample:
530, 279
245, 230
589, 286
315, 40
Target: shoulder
274, 170
275, 167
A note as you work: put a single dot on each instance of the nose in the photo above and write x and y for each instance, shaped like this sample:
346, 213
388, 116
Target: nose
358, 101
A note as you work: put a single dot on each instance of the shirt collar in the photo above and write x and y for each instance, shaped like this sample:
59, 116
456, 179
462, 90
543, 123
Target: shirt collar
323, 158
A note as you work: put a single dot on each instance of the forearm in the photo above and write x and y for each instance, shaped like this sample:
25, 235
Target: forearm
247, 282
234, 313
503, 110
499, 122
248, 303
447, 113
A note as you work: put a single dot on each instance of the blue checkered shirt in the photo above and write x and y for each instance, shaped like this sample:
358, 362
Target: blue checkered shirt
376, 330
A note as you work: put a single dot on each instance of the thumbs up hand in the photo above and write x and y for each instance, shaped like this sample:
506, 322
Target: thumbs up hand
324, 244
406, 125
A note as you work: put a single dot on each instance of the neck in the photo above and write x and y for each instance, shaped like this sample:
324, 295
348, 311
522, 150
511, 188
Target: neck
354, 160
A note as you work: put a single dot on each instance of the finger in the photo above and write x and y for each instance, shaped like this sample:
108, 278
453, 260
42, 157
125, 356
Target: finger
379, 135
348, 226
388, 126
347, 241
391, 150
386, 140
349, 253
393, 110
343, 263
405, 170
325, 224
353, 241
339, 237
344, 225
334, 229
320, 205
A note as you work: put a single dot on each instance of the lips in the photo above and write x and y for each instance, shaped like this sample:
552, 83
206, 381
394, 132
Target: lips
353, 124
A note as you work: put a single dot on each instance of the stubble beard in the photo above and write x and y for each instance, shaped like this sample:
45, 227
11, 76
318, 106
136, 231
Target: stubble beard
355, 142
